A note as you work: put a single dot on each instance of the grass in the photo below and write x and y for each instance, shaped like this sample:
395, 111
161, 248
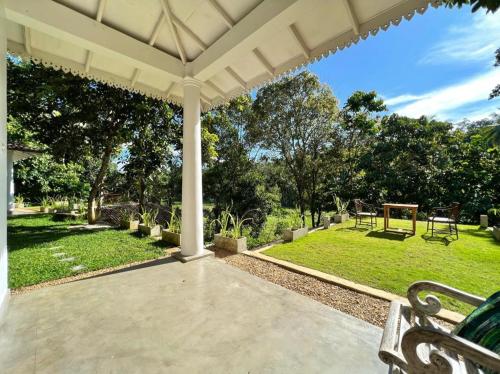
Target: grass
392, 262
31, 259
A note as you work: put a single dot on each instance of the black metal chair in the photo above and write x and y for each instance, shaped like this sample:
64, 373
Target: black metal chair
363, 213
446, 216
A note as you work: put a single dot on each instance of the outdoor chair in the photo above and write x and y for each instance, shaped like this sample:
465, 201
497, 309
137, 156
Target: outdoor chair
413, 343
363, 213
444, 215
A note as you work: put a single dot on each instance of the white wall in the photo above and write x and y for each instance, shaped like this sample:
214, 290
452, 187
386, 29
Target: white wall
3, 160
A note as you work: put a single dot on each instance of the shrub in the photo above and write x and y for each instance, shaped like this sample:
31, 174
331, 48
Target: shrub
494, 216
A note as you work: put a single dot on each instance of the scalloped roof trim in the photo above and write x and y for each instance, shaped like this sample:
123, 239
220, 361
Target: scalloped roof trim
219, 101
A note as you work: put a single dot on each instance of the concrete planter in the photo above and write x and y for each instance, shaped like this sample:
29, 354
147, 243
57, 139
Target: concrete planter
130, 225
496, 232
340, 218
327, 221
230, 244
483, 221
150, 231
44, 210
171, 237
290, 235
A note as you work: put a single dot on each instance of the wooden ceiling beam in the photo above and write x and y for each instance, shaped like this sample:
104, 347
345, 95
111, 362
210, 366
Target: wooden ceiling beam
352, 16
263, 61
222, 13
173, 30
27, 39
299, 40
236, 77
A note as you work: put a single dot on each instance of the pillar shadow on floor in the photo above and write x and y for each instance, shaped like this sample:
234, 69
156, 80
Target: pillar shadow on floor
161, 261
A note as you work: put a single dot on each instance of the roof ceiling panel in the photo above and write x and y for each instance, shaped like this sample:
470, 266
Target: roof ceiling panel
366, 10
87, 7
57, 47
237, 9
112, 66
321, 23
136, 18
228, 43
15, 32
159, 81
280, 47
249, 67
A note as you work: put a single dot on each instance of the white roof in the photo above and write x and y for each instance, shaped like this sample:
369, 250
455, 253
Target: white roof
231, 46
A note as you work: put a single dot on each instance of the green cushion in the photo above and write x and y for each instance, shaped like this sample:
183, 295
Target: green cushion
482, 326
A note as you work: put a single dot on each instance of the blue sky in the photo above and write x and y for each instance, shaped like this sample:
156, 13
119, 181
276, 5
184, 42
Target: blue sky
438, 64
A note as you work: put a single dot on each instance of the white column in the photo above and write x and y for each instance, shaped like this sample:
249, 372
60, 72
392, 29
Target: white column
192, 200
10, 182
3, 159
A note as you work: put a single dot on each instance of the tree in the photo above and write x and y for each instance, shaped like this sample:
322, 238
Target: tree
153, 143
359, 124
410, 161
295, 118
80, 120
234, 179
489, 5
496, 90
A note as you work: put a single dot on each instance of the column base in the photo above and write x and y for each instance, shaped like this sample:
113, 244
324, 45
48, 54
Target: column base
4, 302
179, 256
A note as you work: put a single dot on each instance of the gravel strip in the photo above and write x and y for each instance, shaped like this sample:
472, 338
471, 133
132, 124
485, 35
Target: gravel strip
367, 308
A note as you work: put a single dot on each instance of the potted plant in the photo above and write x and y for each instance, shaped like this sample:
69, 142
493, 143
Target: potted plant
230, 235
494, 215
73, 204
19, 201
327, 221
342, 214
297, 228
149, 226
128, 220
172, 234
45, 205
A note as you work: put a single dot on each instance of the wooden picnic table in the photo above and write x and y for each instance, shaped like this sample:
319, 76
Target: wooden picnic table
387, 213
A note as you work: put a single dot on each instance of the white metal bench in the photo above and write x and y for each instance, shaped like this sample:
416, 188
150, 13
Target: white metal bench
413, 343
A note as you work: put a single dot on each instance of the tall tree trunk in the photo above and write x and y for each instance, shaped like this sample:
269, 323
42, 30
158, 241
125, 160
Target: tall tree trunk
94, 206
142, 187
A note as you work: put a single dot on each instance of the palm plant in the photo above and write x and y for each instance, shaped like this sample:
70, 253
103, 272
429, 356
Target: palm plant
341, 205
149, 217
45, 202
296, 220
174, 224
230, 226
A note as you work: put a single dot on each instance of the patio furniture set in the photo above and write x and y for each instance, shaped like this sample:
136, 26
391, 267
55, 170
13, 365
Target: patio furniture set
366, 215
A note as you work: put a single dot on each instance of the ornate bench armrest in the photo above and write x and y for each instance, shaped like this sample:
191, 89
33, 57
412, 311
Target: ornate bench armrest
438, 361
431, 304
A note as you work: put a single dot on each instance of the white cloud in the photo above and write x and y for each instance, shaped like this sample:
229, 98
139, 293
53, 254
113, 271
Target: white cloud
472, 42
401, 99
444, 102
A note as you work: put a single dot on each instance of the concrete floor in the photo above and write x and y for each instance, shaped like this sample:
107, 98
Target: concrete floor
200, 317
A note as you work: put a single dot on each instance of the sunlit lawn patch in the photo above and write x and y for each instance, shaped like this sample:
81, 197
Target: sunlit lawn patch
34, 240
392, 262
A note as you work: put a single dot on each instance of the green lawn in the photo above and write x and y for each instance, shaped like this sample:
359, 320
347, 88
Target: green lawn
33, 240
387, 262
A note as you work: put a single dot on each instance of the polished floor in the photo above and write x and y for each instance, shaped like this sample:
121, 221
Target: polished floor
200, 317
